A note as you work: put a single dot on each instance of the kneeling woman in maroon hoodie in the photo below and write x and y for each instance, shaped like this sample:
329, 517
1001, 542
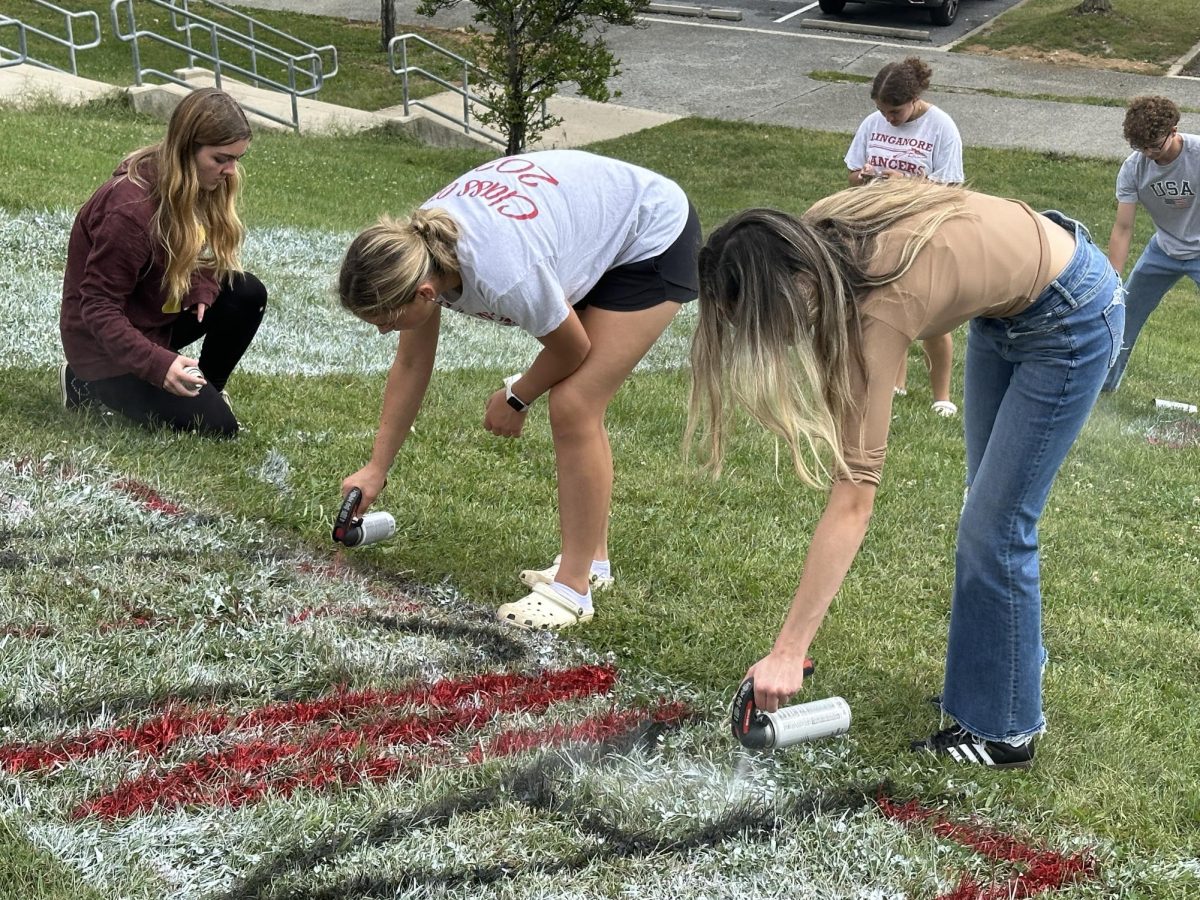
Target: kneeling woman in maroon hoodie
152, 266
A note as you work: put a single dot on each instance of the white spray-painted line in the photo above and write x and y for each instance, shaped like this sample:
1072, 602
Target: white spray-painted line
794, 13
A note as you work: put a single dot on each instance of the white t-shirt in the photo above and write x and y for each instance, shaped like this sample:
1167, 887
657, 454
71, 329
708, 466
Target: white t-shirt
929, 145
539, 229
1169, 195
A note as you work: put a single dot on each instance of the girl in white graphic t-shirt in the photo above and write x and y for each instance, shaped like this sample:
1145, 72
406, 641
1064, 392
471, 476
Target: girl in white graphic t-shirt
910, 137
591, 256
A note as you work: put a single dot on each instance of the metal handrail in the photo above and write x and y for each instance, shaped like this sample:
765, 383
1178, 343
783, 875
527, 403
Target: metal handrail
404, 70
328, 53
69, 20
22, 53
217, 35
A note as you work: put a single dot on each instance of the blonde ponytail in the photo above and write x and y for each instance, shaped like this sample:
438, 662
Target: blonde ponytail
387, 262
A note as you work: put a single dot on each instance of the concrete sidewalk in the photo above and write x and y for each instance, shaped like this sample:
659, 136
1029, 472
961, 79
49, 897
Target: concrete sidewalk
687, 68
692, 68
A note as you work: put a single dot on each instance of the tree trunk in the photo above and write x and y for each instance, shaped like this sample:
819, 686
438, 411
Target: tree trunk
1095, 6
387, 20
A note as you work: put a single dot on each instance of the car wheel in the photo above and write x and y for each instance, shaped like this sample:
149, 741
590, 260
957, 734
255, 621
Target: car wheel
942, 15
832, 7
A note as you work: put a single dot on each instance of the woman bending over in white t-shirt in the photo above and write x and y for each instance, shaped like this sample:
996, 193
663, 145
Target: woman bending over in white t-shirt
910, 137
591, 256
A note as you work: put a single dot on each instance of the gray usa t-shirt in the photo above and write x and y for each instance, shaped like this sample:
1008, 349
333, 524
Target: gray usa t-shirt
1169, 194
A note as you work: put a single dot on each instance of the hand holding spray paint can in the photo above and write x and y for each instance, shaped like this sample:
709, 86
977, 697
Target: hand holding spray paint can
358, 531
194, 372
813, 721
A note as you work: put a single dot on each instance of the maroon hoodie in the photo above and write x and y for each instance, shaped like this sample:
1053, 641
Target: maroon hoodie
112, 322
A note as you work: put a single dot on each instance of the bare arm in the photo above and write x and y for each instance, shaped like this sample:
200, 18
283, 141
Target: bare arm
563, 351
407, 382
1122, 235
834, 546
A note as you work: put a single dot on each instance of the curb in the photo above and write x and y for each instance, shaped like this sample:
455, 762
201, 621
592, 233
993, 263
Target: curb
908, 34
695, 12
1184, 61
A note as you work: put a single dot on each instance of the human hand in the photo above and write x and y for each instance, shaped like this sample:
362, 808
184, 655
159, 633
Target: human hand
777, 676
370, 480
199, 309
180, 381
501, 419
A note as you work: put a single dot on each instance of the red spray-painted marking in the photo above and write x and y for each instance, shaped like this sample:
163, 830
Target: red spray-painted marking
247, 771
590, 731
148, 497
156, 735
1041, 870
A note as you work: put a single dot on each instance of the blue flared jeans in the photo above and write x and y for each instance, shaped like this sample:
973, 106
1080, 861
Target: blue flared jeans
1031, 381
1154, 274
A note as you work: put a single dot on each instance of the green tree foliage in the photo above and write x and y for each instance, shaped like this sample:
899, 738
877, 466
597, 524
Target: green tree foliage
529, 47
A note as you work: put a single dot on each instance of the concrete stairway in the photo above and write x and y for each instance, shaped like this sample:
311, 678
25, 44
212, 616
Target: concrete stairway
583, 122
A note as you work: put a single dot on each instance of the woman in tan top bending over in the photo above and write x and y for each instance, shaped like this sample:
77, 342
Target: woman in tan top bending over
803, 321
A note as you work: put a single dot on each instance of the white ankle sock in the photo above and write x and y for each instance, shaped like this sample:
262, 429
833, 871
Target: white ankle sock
584, 600
601, 568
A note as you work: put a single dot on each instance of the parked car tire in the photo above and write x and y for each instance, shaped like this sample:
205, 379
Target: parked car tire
832, 7
941, 15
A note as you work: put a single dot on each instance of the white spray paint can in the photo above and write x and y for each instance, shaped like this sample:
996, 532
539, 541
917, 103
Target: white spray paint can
357, 531
813, 721
194, 372
1174, 404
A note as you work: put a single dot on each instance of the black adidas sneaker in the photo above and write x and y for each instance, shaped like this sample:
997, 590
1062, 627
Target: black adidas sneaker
962, 746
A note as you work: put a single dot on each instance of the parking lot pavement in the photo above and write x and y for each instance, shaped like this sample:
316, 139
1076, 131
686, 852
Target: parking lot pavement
743, 72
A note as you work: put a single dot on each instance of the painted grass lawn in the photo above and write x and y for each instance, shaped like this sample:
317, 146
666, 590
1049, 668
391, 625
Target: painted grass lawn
159, 586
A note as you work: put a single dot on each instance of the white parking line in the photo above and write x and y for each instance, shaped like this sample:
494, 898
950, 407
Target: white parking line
795, 13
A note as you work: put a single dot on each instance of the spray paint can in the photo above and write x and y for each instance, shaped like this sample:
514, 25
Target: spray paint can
358, 531
194, 372
813, 721
1174, 404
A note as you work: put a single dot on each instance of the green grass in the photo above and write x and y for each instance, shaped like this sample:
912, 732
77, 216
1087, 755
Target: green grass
363, 81
707, 568
1156, 34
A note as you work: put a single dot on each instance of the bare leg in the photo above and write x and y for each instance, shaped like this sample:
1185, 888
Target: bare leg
582, 452
939, 357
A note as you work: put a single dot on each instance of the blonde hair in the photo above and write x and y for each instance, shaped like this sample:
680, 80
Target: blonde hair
196, 227
386, 263
779, 332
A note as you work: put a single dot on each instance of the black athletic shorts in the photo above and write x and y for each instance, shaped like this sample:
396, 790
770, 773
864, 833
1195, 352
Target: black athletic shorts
672, 275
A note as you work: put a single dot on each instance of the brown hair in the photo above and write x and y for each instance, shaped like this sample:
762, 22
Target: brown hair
898, 83
1148, 120
196, 227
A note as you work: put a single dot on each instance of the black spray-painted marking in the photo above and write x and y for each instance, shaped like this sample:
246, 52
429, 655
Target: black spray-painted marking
533, 786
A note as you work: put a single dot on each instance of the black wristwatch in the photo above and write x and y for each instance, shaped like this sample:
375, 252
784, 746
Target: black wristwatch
512, 399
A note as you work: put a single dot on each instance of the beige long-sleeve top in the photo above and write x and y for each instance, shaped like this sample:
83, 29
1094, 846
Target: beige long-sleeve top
992, 261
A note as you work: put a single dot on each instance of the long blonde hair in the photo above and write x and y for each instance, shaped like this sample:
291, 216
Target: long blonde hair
195, 227
386, 263
779, 333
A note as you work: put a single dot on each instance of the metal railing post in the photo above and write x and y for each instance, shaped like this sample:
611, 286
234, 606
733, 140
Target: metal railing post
466, 100
22, 51
310, 63
69, 43
404, 75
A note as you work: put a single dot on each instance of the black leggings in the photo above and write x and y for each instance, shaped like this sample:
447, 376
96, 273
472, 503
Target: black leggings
228, 328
